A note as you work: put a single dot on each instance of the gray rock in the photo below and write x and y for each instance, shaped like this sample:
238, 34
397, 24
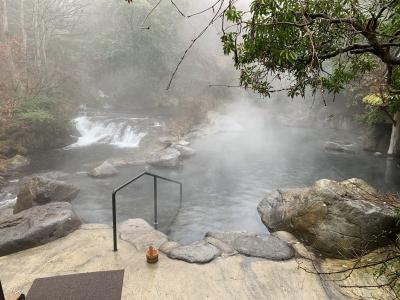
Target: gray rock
37, 226
6, 207
268, 247
140, 234
168, 246
104, 170
226, 249
185, 151
252, 244
339, 219
199, 252
338, 147
40, 190
228, 237
167, 158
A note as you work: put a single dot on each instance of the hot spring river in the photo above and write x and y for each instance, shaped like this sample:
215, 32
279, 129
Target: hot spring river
223, 183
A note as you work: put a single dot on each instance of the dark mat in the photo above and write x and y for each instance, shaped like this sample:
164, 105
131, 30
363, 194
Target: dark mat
86, 286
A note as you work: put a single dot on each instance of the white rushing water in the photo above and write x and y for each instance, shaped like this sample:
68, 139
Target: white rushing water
119, 132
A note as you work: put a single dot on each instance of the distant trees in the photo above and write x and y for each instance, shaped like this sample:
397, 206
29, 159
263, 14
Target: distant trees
30, 71
318, 45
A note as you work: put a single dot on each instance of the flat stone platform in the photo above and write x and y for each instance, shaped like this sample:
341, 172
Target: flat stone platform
90, 249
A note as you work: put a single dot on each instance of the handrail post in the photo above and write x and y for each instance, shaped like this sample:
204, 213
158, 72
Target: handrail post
155, 203
114, 221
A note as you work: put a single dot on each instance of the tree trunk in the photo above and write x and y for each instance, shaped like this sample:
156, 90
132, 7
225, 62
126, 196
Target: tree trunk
5, 37
394, 147
22, 26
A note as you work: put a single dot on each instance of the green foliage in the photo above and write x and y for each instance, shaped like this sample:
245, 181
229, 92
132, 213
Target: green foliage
372, 115
308, 43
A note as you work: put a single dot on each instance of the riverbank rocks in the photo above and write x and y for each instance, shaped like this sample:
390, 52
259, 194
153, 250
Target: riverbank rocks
140, 234
39, 190
338, 219
199, 252
185, 151
339, 147
166, 158
36, 226
105, 170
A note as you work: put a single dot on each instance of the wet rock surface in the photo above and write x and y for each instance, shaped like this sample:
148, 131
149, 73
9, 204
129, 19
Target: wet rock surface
36, 226
199, 252
339, 219
39, 190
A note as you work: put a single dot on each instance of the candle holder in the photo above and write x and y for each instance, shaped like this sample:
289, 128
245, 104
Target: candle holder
152, 255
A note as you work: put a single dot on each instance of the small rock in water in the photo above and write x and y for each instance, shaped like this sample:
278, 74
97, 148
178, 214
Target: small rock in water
39, 190
167, 158
104, 170
338, 147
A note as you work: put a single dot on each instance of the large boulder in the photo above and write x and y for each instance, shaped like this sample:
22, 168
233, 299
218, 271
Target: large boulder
166, 158
36, 226
104, 170
39, 190
339, 219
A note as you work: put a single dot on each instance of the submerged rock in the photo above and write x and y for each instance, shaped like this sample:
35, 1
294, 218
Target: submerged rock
199, 252
339, 219
339, 147
166, 158
36, 226
104, 170
39, 190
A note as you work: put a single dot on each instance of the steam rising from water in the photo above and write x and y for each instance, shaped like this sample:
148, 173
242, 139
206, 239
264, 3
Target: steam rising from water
120, 132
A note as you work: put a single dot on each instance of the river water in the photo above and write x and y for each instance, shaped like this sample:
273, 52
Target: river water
232, 170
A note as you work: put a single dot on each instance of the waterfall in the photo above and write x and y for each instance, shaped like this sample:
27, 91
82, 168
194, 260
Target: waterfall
120, 132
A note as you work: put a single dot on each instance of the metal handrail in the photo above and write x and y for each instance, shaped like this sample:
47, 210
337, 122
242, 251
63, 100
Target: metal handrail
114, 207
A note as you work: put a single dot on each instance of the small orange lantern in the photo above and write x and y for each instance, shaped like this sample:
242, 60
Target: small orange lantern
152, 255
